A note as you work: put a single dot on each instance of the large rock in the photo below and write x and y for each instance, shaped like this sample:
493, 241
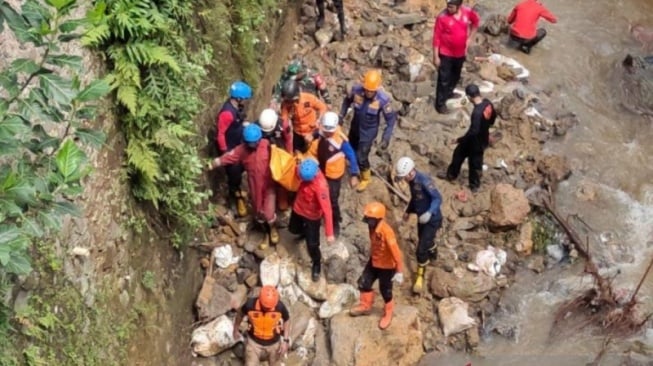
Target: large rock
213, 338
300, 316
339, 297
316, 290
509, 206
460, 283
370, 29
335, 270
213, 300
554, 168
359, 341
293, 293
453, 316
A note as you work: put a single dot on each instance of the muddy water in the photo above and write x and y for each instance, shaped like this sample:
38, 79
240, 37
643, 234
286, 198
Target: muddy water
611, 153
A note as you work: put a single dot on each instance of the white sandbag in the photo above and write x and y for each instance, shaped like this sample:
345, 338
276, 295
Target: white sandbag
498, 59
213, 338
293, 293
286, 272
269, 269
339, 297
489, 261
485, 86
453, 315
224, 256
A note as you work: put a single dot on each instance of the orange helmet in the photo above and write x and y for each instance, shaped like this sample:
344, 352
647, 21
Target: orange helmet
372, 80
374, 210
269, 297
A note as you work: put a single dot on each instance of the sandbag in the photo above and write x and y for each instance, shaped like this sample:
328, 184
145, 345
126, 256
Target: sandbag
212, 338
453, 316
270, 270
283, 168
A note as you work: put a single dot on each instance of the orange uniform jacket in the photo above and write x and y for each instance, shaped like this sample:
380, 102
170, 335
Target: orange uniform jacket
384, 249
304, 113
312, 201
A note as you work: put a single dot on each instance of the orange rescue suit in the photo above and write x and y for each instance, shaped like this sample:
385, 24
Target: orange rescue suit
303, 113
384, 249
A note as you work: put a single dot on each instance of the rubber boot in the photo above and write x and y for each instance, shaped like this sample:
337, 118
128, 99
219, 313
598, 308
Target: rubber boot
364, 306
241, 207
265, 243
387, 314
274, 234
315, 271
320, 14
419, 281
366, 176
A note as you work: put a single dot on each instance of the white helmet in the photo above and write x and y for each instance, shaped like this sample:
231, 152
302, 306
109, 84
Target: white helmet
405, 165
268, 120
330, 121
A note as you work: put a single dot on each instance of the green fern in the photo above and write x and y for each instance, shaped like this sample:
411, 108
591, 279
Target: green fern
127, 96
143, 159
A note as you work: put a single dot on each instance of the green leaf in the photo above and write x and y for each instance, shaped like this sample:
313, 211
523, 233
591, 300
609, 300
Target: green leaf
58, 4
31, 111
69, 161
24, 65
65, 208
143, 158
9, 82
20, 191
93, 91
31, 227
96, 14
8, 234
12, 127
50, 220
127, 95
10, 208
18, 24
71, 25
94, 138
67, 37
96, 35
74, 62
57, 88
5, 255
19, 264
42, 140
35, 13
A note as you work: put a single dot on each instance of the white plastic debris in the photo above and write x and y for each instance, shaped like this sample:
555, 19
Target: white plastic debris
269, 269
213, 338
453, 316
498, 59
489, 261
485, 86
81, 252
224, 256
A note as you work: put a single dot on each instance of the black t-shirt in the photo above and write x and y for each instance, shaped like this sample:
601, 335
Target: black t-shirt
250, 306
477, 137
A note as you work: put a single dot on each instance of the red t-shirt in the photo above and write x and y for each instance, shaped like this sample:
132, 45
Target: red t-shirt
450, 31
524, 18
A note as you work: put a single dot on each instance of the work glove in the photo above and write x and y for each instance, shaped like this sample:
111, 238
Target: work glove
384, 145
398, 278
425, 217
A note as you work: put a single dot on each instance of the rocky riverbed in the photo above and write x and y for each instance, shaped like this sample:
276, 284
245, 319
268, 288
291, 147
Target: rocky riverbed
494, 229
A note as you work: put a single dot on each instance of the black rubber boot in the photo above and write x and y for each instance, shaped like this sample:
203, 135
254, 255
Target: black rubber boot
320, 14
315, 271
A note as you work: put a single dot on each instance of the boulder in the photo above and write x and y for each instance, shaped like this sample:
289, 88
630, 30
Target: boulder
469, 286
270, 270
554, 168
359, 341
370, 29
323, 36
316, 290
509, 206
335, 270
293, 293
213, 300
339, 297
300, 316
213, 338
453, 315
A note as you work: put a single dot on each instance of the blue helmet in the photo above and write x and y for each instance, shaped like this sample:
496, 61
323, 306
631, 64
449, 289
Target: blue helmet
240, 90
252, 133
308, 169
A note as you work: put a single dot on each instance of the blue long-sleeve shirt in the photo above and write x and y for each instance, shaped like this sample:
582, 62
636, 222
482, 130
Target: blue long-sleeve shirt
350, 155
367, 114
424, 196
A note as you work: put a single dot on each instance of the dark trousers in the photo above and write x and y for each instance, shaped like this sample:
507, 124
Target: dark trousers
371, 274
524, 44
310, 229
448, 77
340, 10
362, 148
299, 143
234, 178
426, 236
334, 195
474, 161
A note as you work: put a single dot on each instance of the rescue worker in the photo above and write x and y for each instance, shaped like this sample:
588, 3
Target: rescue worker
523, 24
340, 10
454, 27
268, 331
303, 110
477, 138
254, 154
311, 204
279, 134
369, 102
425, 201
331, 149
230, 129
385, 264
309, 81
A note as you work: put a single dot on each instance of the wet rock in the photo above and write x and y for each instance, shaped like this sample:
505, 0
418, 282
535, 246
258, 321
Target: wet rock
525, 243
339, 297
495, 25
358, 341
454, 317
316, 290
536, 264
370, 29
586, 191
213, 300
335, 270
554, 168
213, 338
509, 206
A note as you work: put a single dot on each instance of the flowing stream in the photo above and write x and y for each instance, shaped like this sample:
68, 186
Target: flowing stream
611, 154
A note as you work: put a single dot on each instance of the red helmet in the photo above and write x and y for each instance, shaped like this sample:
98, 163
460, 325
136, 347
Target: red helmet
269, 297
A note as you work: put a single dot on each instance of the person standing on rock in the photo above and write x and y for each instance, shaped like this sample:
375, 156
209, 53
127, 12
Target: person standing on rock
229, 123
331, 149
311, 204
340, 10
303, 110
385, 264
309, 81
369, 102
523, 24
254, 155
477, 138
268, 331
453, 29
425, 201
